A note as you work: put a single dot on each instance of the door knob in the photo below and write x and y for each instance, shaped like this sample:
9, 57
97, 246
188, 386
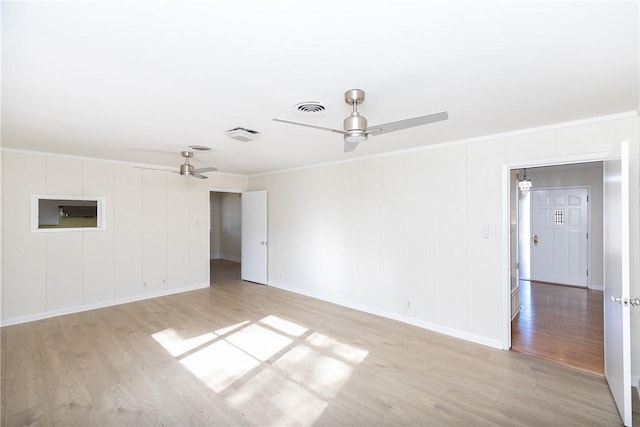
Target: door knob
535, 240
634, 302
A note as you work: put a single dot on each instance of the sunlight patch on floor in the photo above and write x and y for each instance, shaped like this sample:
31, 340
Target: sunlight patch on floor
259, 342
285, 326
176, 345
274, 371
228, 329
220, 364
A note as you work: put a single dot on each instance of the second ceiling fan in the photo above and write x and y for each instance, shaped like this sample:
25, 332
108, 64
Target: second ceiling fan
355, 128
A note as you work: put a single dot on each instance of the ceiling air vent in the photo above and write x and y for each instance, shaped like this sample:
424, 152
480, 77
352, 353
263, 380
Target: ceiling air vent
243, 134
199, 148
310, 107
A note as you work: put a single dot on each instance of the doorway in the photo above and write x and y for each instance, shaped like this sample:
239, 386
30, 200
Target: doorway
560, 321
224, 235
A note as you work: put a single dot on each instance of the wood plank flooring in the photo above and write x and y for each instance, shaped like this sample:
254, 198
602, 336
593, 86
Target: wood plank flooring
560, 323
245, 354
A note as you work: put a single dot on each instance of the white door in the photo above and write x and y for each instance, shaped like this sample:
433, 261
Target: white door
254, 237
513, 229
559, 230
617, 353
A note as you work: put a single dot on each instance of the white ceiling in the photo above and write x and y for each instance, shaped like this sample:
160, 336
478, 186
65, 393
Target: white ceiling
139, 81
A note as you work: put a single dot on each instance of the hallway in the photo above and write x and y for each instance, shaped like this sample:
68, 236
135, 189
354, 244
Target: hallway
560, 323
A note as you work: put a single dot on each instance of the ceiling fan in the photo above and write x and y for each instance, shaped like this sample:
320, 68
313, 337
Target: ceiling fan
355, 129
188, 169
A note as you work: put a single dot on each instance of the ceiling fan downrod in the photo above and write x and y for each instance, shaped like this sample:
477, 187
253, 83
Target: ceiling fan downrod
186, 168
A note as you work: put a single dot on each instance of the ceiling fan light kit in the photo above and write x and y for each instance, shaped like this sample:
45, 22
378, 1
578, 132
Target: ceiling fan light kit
355, 128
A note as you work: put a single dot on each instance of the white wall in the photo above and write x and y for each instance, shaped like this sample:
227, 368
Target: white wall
400, 235
230, 230
580, 175
225, 226
155, 241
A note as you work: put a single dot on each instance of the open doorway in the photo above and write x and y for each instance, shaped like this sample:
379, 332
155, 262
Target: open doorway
224, 236
558, 312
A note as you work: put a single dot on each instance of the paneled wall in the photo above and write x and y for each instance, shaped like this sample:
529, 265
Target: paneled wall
155, 241
402, 235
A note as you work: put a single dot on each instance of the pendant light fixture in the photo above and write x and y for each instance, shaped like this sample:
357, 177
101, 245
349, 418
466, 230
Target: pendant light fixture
525, 183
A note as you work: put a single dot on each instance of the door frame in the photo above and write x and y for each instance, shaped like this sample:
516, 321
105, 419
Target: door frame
590, 198
506, 225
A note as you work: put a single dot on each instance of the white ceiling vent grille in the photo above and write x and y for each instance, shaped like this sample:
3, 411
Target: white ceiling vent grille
310, 107
243, 134
199, 148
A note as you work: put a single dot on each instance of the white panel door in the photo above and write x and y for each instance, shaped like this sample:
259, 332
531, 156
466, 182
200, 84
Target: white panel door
254, 237
617, 353
559, 243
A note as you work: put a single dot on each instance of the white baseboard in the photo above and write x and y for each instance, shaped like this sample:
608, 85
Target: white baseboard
597, 287
94, 306
230, 258
396, 316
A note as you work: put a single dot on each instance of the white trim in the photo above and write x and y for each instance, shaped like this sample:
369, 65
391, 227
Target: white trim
101, 221
110, 303
395, 316
97, 159
506, 224
555, 126
506, 256
225, 190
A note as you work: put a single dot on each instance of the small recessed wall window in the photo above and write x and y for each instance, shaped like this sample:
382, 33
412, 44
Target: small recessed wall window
66, 213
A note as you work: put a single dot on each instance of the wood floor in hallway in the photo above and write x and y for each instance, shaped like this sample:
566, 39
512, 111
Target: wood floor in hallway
560, 323
238, 353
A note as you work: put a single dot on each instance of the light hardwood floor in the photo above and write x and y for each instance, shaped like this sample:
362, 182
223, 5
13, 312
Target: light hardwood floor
560, 323
244, 354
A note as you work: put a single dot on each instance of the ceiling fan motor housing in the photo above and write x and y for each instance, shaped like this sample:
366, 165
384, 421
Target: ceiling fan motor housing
186, 169
355, 122
356, 127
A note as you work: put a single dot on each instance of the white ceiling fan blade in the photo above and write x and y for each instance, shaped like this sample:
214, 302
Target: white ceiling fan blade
309, 126
197, 175
407, 123
204, 170
155, 169
350, 146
